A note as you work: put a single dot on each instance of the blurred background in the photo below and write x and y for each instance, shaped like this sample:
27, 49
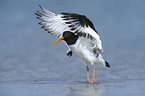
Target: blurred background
26, 53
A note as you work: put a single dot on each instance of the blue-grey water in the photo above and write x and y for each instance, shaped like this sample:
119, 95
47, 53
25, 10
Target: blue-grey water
31, 66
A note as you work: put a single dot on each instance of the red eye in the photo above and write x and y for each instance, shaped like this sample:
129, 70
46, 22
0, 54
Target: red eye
66, 34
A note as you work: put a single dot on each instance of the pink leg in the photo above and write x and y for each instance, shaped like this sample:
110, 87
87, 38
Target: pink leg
93, 79
88, 78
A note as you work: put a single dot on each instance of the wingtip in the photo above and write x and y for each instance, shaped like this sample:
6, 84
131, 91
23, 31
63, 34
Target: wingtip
45, 10
40, 6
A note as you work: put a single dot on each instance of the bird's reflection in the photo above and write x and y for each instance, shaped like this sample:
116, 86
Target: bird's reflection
93, 85
87, 89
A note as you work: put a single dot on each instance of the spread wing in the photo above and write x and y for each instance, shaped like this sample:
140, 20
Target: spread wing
51, 22
83, 27
56, 24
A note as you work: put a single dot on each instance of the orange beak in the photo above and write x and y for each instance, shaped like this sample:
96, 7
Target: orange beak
61, 38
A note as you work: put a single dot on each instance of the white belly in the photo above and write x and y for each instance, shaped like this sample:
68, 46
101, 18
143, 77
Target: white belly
83, 51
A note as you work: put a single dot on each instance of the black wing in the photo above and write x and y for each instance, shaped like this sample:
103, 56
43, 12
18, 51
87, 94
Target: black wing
83, 27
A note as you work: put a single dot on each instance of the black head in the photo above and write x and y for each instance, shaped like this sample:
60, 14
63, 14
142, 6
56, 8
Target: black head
67, 34
70, 37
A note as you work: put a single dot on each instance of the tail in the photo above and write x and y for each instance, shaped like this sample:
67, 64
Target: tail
107, 64
102, 61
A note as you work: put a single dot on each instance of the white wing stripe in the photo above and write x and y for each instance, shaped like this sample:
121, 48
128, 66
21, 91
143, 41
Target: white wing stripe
52, 22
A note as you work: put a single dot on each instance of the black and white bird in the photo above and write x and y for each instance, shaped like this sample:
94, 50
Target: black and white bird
78, 33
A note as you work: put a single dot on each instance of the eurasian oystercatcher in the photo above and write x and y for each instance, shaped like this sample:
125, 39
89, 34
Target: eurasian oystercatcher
78, 33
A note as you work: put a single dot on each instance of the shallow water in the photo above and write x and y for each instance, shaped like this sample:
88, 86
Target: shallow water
73, 88
31, 66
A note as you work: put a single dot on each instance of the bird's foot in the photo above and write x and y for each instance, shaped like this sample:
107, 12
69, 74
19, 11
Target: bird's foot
90, 81
93, 79
69, 53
